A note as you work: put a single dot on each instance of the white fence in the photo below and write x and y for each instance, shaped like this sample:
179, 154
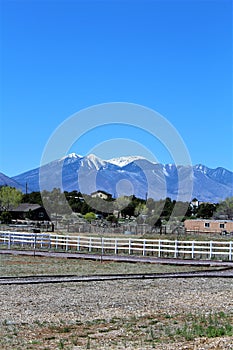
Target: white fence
132, 246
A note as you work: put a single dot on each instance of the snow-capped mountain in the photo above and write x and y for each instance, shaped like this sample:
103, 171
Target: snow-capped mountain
130, 175
123, 161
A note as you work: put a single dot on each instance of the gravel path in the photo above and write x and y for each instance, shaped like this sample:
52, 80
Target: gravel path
87, 301
82, 304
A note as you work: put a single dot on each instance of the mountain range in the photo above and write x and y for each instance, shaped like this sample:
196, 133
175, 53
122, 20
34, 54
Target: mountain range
125, 176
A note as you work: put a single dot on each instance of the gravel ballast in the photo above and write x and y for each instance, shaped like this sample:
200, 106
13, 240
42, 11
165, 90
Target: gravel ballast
34, 308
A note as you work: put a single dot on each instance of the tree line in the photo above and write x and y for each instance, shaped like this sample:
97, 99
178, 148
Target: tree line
146, 211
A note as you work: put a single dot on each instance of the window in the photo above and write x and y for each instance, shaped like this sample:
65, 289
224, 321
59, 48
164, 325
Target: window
207, 224
222, 225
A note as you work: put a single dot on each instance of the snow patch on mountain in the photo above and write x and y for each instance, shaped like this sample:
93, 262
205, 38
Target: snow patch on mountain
124, 160
71, 156
165, 171
93, 160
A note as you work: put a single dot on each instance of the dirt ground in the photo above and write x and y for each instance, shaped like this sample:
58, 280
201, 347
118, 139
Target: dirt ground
163, 314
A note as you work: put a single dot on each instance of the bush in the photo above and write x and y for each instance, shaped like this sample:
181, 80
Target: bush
6, 217
112, 218
90, 216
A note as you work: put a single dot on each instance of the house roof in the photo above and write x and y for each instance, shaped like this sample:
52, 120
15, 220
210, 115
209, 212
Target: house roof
100, 191
25, 207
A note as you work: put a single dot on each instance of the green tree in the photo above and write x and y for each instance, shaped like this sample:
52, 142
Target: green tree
129, 210
90, 216
159, 208
112, 218
206, 210
225, 208
150, 203
6, 218
33, 197
181, 209
75, 200
10, 198
55, 203
168, 208
121, 203
154, 221
141, 209
85, 208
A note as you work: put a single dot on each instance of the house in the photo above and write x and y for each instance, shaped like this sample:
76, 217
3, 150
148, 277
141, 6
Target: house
208, 226
29, 211
195, 203
101, 194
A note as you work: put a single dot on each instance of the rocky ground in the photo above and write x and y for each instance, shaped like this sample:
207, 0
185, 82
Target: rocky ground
149, 314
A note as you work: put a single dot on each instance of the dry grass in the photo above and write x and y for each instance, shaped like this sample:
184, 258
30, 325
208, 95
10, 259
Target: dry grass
21, 265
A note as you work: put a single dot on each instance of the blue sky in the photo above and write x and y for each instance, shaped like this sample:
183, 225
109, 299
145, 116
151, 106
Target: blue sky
58, 57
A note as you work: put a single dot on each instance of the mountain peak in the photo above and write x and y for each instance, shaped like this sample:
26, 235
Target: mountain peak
200, 167
125, 160
92, 156
209, 185
71, 156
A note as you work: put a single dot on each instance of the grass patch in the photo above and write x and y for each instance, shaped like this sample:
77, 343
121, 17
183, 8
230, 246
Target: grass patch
211, 326
132, 332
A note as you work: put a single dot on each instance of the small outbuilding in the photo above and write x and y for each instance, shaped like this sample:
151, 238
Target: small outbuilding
208, 226
29, 211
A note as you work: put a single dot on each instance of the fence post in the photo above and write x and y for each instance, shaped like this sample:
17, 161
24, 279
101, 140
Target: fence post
90, 239
34, 244
41, 240
9, 240
78, 243
176, 249
129, 246
230, 250
144, 247
211, 249
116, 250
102, 246
49, 238
35, 237
67, 242
193, 248
159, 248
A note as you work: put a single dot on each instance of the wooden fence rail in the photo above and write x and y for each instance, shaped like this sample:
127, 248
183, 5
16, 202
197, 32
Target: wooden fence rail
105, 245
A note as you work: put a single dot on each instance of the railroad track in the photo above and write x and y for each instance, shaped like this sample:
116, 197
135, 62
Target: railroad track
226, 272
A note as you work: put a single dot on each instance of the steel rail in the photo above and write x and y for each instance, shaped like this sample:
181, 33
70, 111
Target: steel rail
6, 280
